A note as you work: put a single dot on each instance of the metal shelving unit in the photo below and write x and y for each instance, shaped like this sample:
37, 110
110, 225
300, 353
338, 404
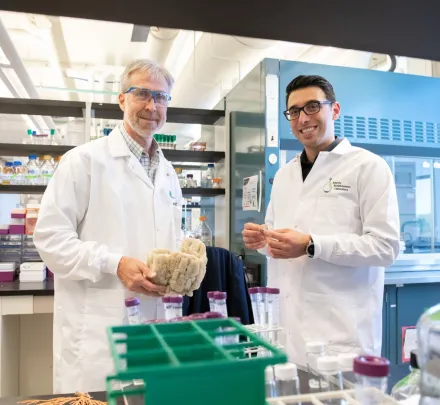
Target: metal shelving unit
202, 192
106, 111
12, 149
77, 109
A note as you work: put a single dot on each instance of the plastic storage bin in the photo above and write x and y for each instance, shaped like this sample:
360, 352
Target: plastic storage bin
186, 353
7, 272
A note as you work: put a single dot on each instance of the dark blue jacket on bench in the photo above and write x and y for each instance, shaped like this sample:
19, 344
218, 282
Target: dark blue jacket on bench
224, 272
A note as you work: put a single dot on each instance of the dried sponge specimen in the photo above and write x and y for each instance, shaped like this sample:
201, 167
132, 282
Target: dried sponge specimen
181, 272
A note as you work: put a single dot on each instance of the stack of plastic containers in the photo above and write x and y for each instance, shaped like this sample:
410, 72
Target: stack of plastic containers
7, 271
32, 272
17, 224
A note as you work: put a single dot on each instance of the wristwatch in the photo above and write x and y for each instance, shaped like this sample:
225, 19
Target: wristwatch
310, 249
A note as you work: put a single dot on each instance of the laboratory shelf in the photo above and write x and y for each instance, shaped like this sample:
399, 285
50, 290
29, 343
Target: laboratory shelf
77, 109
15, 189
17, 149
193, 156
174, 114
202, 192
196, 191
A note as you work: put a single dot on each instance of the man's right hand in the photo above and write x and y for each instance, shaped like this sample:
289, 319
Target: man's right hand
134, 275
253, 237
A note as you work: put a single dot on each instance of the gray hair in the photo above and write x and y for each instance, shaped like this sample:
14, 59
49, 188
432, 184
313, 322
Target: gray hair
149, 67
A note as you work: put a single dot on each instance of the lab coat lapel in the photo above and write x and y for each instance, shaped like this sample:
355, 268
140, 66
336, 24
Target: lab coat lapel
139, 171
119, 148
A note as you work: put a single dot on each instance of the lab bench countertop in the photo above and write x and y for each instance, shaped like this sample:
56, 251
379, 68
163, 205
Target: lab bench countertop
99, 396
40, 288
303, 377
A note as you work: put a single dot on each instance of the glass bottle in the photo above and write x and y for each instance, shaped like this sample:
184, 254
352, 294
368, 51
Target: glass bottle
428, 359
408, 387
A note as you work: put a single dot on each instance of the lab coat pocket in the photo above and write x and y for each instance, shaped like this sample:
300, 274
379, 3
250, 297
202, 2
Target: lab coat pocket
331, 318
333, 215
103, 308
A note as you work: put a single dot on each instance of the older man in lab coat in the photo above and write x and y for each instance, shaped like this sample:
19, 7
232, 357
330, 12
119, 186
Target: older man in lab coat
332, 225
108, 204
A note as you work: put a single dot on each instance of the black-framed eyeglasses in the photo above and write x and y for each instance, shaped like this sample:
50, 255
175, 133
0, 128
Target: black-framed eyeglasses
145, 95
310, 108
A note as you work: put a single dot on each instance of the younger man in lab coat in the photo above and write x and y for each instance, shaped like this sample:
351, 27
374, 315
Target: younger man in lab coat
333, 225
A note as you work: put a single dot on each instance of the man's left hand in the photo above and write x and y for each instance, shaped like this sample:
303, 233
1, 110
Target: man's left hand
286, 243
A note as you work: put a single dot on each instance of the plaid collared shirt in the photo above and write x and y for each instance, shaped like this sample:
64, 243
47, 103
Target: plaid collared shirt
149, 164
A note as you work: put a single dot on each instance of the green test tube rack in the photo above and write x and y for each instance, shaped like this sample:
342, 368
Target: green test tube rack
183, 362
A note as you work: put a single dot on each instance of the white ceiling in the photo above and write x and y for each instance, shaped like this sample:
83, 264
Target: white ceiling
75, 59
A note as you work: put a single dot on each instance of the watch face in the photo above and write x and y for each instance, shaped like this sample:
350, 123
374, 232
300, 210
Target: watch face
311, 249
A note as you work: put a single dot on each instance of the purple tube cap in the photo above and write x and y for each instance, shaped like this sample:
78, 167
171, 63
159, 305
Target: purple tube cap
166, 300
155, 321
175, 299
220, 295
179, 319
271, 290
371, 366
213, 315
255, 290
211, 294
194, 317
131, 302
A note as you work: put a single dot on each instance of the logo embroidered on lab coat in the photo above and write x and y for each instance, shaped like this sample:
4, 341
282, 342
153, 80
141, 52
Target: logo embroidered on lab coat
328, 187
335, 185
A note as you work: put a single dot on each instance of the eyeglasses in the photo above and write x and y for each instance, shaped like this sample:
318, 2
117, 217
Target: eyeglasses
145, 95
310, 108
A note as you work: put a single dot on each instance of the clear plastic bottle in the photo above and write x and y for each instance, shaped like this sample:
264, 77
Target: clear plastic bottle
203, 169
46, 170
56, 162
32, 176
286, 378
205, 232
408, 387
273, 312
190, 182
216, 182
428, 355
132, 309
220, 303
346, 361
209, 177
211, 299
270, 384
329, 373
7, 173
28, 139
181, 177
17, 173
52, 137
255, 296
371, 375
314, 350
172, 306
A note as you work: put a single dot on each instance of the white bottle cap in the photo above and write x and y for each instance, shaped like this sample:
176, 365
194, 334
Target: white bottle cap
314, 347
346, 360
286, 371
268, 373
327, 363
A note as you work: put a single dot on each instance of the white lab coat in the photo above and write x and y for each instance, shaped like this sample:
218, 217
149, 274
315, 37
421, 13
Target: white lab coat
100, 205
348, 204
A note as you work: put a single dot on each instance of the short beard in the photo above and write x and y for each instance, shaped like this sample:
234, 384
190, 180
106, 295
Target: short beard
144, 133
